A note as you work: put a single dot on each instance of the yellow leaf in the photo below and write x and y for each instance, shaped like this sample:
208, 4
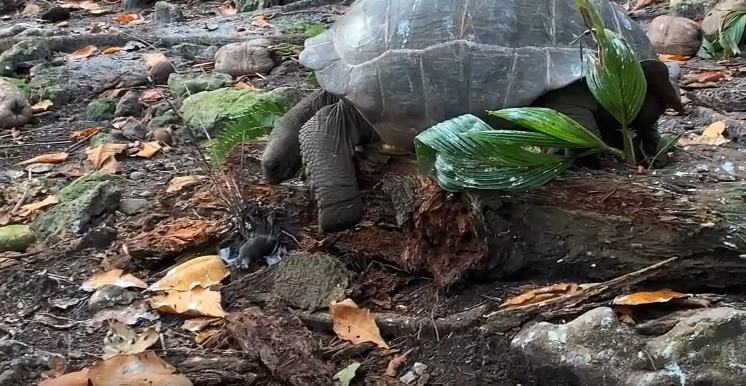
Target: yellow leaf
112, 277
148, 149
102, 153
137, 369
180, 182
29, 209
648, 297
30, 9
197, 302
712, 135
41, 106
49, 158
82, 53
355, 324
203, 271
540, 294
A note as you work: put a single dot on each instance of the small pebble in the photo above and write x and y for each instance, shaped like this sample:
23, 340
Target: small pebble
138, 175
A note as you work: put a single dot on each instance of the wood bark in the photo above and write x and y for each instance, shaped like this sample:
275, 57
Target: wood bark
588, 224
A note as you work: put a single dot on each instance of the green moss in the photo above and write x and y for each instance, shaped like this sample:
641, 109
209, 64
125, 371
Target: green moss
305, 27
101, 110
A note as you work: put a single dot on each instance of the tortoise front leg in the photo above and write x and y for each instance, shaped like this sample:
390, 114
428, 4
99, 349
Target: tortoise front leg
327, 147
281, 157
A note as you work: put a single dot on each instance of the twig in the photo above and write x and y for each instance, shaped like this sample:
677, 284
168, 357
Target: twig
507, 319
34, 144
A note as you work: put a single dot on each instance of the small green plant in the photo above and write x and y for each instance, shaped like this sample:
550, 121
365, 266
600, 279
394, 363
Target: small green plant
283, 49
466, 153
254, 124
305, 27
724, 43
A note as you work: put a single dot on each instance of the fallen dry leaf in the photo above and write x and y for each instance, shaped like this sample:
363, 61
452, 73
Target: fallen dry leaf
78, 378
86, 5
261, 22
644, 3
540, 294
394, 364
355, 324
151, 95
199, 324
138, 369
41, 106
710, 76
204, 336
203, 271
180, 182
228, 8
148, 149
122, 340
49, 158
681, 59
712, 135
111, 166
34, 207
648, 297
82, 53
84, 134
111, 50
197, 302
126, 18
30, 9
102, 153
113, 277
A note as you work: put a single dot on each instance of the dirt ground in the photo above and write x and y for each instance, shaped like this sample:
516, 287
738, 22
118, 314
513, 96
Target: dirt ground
30, 290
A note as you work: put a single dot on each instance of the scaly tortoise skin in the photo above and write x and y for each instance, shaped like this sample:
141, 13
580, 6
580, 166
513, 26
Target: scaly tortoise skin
389, 69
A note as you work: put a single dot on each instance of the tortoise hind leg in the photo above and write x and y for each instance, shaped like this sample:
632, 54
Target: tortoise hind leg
281, 157
327, 147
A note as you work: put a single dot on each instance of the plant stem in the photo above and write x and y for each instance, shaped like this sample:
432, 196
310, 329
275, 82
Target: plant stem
629, 146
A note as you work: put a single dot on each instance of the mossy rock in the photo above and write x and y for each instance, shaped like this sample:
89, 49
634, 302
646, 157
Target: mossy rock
16, 238
101, 110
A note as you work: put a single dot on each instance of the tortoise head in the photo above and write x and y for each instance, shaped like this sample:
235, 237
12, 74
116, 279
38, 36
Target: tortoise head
663, 82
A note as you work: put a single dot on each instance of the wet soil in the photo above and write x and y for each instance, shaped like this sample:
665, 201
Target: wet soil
28, 290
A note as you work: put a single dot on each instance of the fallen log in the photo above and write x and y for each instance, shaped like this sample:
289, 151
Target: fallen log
595, 225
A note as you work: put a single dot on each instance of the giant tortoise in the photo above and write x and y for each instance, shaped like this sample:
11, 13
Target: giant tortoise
390, 69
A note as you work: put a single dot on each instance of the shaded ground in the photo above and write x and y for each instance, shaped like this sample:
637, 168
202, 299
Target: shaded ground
47, 276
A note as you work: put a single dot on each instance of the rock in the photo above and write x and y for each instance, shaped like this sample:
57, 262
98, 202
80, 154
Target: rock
15, 110
596, 349
134, 129
81, 202
132, 206
137, 175
675, 35
48, 82
287, 67
164, 120
210, 110
129, 105
244, 58
691, 9
101, 110
56, 14
195, 52
183, 85
98, 238
301, 280
712, 20
16, 238
24, 54
110, 295
166, 12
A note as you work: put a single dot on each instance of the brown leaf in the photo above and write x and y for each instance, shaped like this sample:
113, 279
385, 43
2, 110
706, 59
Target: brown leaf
112, 277
228, 8
82, 53
29, 209
148, 149
151, 95
197, 302
712, 135
394, 364
49, 158
261, 22
86, 133
180, 182
111, 50
138, 369
100, 154
203, 271
355, 324
111, 166
41, 106
540, 294
681, 59
78, 378
30, 9
644, 3
126, 18
648, 297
